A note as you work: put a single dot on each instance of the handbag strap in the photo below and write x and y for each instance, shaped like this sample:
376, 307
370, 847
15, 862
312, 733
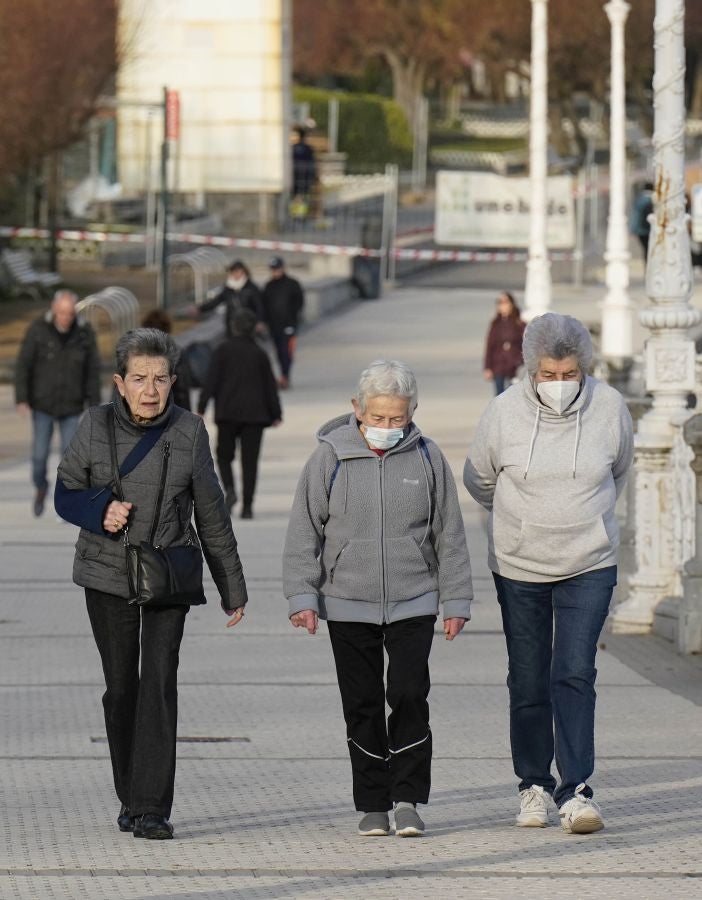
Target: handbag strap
131, 461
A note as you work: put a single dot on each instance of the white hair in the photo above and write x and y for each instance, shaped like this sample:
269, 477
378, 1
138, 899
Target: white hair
553, 336
387, 377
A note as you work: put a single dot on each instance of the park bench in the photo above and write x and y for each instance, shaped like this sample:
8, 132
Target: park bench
23, 277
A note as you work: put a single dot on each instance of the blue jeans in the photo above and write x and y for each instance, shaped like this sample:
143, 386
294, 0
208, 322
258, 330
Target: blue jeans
501, 383
43, 427
552, 631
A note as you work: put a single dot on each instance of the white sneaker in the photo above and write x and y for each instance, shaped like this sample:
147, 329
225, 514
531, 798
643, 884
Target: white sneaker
533, 812
581, 815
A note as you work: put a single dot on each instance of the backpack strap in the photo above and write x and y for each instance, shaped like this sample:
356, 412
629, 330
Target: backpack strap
334, 473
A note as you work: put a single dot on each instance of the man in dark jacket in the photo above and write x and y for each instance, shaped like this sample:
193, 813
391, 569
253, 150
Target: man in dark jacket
57, 377
237, 292
241, 381
282, 303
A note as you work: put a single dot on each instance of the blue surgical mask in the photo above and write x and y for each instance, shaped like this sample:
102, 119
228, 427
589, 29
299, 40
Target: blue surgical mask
558, 395
383, 438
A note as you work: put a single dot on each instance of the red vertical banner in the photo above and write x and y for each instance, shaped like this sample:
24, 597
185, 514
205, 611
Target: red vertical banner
172, 115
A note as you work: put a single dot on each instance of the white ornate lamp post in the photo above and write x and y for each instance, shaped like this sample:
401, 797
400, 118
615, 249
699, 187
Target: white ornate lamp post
670, 356
618, 308
537, 293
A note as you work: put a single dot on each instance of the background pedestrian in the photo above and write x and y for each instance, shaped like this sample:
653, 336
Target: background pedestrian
283, 300
57, 377
239, 291
241, 381
503, 346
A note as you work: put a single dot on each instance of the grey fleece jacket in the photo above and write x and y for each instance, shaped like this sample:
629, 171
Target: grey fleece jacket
385, 541
551, 482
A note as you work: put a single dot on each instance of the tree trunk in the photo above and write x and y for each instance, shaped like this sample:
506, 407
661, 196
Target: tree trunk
407, 82
53, 196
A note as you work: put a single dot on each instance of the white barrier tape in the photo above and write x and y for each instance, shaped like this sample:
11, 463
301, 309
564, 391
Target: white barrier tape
291, 246
201, 239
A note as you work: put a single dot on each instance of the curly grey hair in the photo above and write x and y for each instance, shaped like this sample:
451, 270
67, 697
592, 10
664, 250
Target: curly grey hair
554, 336
146, 342
387, 377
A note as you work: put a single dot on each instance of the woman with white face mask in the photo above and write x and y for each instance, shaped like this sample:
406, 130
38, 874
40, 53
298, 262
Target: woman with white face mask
376, 546
549, 459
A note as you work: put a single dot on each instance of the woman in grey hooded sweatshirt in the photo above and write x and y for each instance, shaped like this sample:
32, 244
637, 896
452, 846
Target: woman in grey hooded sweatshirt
549, 459
375, 543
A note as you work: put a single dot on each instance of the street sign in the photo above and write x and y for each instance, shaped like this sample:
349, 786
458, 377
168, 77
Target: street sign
696, 213
172, 115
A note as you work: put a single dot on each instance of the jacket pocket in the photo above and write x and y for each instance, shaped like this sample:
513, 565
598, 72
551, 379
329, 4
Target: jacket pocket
353, 570
86, 549
559, 549
411, 569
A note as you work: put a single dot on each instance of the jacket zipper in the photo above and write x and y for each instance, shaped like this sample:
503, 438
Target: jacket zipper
162, 485
381, 532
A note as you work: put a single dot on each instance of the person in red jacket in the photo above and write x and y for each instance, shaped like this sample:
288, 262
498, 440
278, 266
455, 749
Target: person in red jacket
503, 347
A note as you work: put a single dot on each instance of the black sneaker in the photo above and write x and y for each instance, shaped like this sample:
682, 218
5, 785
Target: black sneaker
247, 513
153, 827
39, 501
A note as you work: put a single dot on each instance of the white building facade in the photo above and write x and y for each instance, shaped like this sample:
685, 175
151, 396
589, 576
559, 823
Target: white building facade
230, 62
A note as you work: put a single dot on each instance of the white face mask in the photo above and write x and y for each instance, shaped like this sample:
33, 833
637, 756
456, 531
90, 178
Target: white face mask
383, 438
558, 395
236, 284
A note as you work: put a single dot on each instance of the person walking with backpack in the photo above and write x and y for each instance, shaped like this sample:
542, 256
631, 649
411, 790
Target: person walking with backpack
376, 546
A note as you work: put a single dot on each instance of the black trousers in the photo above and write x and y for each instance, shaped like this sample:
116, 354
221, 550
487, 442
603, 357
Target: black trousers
282, 343
139, 650
390, 761
250, 438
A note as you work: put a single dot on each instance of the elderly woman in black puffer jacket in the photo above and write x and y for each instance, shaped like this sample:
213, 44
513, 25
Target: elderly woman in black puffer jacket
139, 645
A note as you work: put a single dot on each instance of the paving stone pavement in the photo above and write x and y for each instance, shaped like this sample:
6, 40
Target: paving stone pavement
263, 800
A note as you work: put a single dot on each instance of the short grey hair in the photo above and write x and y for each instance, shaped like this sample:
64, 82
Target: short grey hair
146, 342
64, 292
387, 377
554, 336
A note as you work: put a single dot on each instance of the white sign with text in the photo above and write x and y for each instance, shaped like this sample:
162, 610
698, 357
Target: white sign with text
480, 209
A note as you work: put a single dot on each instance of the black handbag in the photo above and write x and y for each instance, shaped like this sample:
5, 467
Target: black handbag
159, 576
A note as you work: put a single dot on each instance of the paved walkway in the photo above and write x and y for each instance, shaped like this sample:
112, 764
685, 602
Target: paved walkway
263, 802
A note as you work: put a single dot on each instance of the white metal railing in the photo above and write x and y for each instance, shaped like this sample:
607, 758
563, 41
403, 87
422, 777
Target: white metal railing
202, 263
119, 304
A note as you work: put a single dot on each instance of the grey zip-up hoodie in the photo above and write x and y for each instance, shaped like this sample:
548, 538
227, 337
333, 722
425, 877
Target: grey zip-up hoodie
551, 482
376, 538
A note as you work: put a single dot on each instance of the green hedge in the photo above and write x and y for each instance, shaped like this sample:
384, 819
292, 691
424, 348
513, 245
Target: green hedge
372, 130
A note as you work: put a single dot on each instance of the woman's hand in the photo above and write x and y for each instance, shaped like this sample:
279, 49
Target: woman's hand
236, 617
452, 627
306, 618
487, 375
116, 516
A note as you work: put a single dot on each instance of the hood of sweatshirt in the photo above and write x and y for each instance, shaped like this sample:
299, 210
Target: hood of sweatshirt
344, 436
569, 418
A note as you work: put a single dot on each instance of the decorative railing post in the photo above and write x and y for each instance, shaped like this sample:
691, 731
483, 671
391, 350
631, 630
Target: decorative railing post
537, 291
670, 355
618, 308
690, 614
